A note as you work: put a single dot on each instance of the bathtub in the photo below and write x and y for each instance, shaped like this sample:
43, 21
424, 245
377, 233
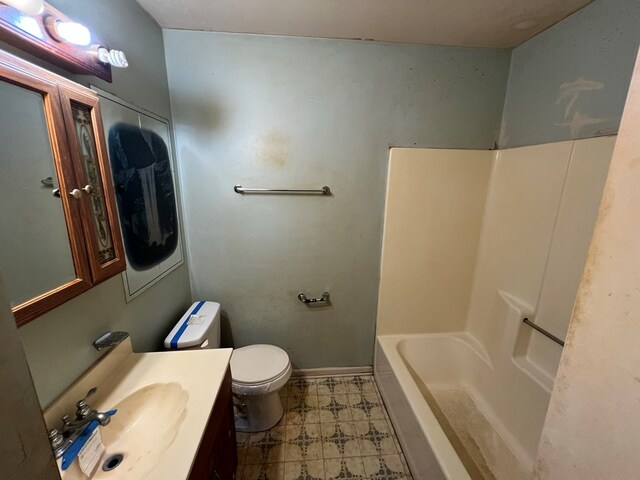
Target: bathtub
457, 414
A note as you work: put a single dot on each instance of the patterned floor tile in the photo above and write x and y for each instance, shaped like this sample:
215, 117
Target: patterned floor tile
366, 406
333, 428
283, 420
334, 408
265, 471
395, 440
242, 438
302, 409
359, 384
304, 442
375, 438
309, 470
384, 467
339, 440
335, 469
331, 386
266, 447
242, 441
242, 455
301, 386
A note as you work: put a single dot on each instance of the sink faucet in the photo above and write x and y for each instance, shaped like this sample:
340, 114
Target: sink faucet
84, 415
62, 439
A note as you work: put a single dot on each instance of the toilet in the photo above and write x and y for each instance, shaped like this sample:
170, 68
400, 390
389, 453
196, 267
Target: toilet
258, 371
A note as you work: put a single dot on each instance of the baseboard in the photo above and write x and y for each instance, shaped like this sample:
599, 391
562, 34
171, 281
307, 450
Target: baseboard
332, 371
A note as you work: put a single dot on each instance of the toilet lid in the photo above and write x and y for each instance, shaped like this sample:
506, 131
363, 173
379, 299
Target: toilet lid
258, 363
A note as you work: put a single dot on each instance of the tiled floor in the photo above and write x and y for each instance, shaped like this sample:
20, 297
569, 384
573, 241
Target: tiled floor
333, 428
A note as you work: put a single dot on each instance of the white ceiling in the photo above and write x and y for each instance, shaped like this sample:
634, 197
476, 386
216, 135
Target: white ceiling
479, 23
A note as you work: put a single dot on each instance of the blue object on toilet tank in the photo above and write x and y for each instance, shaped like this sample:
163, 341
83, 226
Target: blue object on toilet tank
198, 327
185, 324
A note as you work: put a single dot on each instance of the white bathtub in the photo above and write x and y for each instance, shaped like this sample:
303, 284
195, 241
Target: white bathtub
434, 383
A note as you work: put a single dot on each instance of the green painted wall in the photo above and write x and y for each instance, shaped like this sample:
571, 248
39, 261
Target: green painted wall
571, 80
267, 111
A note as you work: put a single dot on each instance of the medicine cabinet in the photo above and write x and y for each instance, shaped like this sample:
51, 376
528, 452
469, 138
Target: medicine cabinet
59, 231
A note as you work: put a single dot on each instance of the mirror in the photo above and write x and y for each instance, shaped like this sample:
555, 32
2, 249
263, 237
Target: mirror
58, 225
36, 255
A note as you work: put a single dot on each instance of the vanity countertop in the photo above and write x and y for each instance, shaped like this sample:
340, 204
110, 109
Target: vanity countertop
197, 374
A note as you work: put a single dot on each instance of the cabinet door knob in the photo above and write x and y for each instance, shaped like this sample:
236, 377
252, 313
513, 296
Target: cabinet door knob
88, 189
75, 193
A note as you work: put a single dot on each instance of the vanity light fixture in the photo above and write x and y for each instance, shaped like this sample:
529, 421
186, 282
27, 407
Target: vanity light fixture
39, 29
71, 32
78, 34
30, 7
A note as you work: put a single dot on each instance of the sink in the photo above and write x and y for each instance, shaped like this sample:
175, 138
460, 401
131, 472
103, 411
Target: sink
164, 400
146, 424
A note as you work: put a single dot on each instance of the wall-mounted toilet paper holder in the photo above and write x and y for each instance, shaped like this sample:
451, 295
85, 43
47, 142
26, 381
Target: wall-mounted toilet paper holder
315, 302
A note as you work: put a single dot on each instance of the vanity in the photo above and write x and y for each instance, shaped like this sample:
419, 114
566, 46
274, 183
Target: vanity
174, 415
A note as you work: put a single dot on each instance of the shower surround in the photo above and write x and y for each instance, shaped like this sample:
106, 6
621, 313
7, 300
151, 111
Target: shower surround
502, 236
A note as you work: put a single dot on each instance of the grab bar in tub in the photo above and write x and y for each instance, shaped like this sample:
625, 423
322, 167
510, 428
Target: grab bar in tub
543, 331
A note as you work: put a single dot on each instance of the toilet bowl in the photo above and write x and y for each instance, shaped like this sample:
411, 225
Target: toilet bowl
258, 372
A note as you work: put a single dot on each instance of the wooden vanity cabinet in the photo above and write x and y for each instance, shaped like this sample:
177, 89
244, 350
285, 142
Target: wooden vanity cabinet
217, 456
73, 179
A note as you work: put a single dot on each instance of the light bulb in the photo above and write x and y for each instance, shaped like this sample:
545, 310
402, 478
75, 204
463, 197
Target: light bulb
118, 59
115, 58
71, 32
30, 7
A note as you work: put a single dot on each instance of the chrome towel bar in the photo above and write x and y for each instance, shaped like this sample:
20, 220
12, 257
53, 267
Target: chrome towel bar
282, 191
543, 331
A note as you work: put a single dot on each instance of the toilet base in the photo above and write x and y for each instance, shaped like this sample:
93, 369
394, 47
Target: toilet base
256, 413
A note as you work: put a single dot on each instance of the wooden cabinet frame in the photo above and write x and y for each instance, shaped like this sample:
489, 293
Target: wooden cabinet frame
88, 98
57, 94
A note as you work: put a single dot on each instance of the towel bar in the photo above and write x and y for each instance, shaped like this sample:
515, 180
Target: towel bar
282, 191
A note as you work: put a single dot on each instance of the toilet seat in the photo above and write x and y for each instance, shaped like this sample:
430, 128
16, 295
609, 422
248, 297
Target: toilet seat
259, 369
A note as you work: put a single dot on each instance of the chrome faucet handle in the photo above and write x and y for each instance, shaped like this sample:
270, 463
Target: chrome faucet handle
56, 438
83, 410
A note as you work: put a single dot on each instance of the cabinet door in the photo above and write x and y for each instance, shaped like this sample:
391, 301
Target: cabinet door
225, 449
81, 112
43, 255
217, 457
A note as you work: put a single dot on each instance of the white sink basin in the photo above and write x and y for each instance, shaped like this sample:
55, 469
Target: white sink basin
163, 399
146, 424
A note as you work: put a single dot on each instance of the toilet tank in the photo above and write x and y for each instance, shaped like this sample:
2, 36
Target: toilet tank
199, 327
